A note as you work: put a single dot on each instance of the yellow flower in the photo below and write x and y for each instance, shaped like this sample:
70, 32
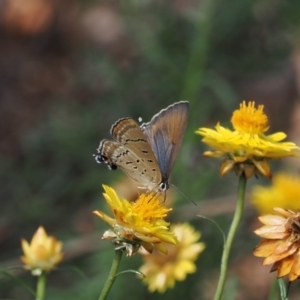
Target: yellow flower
284, 192
162, 271
281, 246
246, 149
138, 223
43, 253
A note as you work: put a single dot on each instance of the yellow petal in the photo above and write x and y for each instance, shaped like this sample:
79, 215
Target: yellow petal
277, 137
112, 222
162, 248
295, 271
281, 252
183, 268
148, 239
285, 266
25, 247
266, 248
39, 237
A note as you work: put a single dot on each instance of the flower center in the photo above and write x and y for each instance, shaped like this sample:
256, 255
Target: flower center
250, 120
295, 226
150, 207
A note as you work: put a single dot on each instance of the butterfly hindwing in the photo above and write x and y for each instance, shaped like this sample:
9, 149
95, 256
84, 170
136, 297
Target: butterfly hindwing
131, 152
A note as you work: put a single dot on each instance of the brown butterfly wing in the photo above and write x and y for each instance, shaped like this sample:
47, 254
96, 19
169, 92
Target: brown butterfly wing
131, 152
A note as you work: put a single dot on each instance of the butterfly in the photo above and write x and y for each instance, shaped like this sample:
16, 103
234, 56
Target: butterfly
146, 153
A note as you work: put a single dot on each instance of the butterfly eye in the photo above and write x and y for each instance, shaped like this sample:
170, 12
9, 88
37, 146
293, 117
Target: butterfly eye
164, 186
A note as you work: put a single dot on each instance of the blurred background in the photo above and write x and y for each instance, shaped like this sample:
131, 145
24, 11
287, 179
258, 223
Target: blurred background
70, 69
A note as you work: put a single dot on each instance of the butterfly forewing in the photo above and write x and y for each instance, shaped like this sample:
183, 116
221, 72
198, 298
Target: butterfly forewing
165, 132
131, 152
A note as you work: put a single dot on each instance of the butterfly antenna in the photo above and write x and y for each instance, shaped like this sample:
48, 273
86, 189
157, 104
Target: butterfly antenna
156, 193
184, 194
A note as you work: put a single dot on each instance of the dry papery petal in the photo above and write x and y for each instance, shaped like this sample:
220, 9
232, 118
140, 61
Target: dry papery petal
272, 220
266, 247
285, 212
272, 232
295, 272
263, 167
283, 266
281, 252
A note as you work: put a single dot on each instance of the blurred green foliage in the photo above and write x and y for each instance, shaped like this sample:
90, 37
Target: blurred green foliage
200, 51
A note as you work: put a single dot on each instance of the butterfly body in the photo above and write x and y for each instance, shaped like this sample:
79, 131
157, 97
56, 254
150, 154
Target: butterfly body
146, 153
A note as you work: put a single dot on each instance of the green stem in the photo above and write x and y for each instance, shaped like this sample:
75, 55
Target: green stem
283, 288
112, 275
232, 231
41, 286
274, 291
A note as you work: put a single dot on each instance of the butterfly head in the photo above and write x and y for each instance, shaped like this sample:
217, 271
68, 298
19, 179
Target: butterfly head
163, 186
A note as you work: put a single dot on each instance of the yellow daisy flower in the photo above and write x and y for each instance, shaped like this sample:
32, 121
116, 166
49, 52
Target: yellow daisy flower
42, 254
138, 223
284, 192
281, 246
246, 149
162, 271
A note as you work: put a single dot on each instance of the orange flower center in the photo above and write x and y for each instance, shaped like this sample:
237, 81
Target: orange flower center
150, 207
250, 120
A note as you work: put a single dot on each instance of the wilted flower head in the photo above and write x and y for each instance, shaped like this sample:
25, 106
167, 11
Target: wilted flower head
281, 246
246, 149
43, 253
162, 271
284, 192
138, 223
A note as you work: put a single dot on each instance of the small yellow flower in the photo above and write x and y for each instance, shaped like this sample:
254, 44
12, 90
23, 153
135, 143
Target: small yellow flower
247, 148
284, 192
138, 223
162, 271
43, 253
281, 246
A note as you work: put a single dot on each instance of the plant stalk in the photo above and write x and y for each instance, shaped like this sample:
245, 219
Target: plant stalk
112, 275
231, 234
